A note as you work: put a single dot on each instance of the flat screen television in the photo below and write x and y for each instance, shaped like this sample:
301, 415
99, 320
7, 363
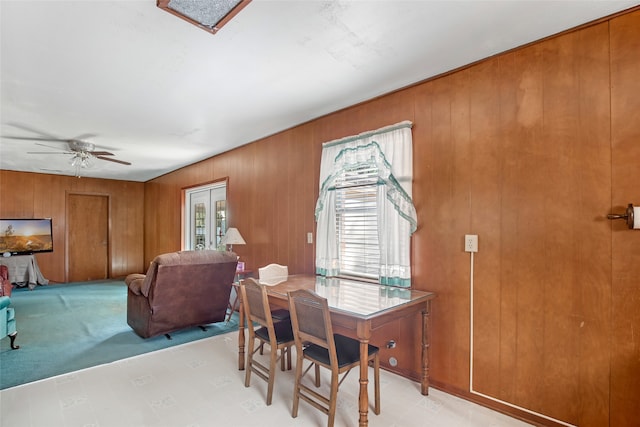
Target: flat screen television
26, 236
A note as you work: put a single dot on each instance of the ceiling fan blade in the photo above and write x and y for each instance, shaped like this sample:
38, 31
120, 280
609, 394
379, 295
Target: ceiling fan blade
32, 138
31, 129
48, 146
100, 153
114, 160
83, 137
48, 152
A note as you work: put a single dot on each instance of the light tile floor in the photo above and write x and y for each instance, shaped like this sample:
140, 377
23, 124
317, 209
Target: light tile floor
198, 385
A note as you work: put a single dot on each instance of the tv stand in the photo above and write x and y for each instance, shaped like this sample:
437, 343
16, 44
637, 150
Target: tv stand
24, 270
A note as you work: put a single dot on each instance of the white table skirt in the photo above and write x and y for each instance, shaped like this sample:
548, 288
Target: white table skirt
24, 270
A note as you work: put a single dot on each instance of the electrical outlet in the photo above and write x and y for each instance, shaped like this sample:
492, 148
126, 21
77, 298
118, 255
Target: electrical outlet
471, 243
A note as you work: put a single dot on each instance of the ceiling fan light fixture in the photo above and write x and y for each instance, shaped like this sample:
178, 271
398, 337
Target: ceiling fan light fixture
81, 160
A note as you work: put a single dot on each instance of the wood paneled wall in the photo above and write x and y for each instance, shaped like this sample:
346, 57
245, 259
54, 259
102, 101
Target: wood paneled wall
35, 195
521, 153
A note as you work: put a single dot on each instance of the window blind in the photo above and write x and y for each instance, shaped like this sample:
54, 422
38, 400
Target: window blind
357, 222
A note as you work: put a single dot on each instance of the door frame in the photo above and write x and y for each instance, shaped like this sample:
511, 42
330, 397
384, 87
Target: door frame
67, 231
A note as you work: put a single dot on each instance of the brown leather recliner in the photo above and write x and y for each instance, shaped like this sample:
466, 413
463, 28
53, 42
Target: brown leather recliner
180, 290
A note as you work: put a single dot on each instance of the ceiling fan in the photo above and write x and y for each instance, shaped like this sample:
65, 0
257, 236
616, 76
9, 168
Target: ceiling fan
82, 153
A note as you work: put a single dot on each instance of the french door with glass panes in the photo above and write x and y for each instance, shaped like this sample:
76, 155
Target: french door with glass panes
205, 216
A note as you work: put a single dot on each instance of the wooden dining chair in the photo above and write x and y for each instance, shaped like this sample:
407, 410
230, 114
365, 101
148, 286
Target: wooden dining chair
316, 342
278, 335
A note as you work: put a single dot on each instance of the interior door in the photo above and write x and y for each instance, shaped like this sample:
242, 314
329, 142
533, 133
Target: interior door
206, 217
88, 237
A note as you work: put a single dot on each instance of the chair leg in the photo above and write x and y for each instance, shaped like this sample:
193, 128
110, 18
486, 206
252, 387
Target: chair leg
283, 353
272, 373
317, 372
333, 397
296, 385
286, 351
249, 365
12, 338
376, 377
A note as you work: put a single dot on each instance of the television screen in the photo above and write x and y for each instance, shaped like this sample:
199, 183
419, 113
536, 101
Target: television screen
26, 236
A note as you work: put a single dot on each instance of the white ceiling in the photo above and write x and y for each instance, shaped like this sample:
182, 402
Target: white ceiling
161, 93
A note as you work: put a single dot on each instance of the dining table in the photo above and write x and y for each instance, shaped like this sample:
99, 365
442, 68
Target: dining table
358, 309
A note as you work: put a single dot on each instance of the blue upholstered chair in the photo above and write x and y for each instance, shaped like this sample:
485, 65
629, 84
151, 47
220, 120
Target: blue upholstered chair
8, 321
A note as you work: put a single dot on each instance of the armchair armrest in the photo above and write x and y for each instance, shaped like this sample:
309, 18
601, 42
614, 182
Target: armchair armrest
4, 302
134, 282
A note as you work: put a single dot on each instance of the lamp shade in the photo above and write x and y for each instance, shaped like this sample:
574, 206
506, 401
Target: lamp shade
233, 237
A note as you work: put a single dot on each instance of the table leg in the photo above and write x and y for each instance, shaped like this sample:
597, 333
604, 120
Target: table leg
363, 331
241, 340
426, 319
363, 400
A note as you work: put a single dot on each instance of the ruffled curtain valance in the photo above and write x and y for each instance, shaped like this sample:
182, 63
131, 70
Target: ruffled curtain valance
365, 155
390, 151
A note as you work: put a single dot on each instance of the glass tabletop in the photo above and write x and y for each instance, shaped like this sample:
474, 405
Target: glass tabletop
351, 296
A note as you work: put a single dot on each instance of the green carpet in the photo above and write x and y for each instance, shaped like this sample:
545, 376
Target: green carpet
67, 327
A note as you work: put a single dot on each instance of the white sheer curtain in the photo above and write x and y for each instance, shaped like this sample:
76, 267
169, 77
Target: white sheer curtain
390, 150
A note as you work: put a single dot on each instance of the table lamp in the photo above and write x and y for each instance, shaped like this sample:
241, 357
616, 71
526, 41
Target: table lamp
232, 237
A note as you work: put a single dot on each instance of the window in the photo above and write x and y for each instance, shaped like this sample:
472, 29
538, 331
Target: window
357, 222
364, 213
